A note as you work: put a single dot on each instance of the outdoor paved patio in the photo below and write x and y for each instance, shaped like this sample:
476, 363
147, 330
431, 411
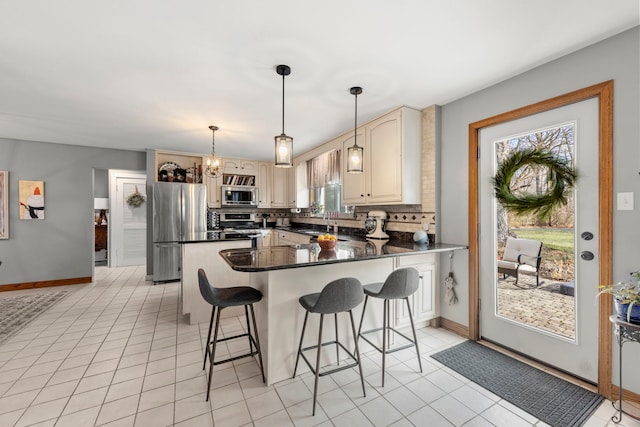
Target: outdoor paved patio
545, 307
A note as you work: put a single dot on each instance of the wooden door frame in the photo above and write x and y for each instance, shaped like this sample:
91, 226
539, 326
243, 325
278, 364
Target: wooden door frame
604, 92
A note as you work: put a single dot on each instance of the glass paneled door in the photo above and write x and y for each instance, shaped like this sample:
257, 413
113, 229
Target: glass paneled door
539, 277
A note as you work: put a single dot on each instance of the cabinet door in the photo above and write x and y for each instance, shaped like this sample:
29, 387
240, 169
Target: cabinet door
424, 308
248, 167
423, 301
213, 191
279, 188
353, 184
265, 240
231, 166
264, 185
292, 190
384, 159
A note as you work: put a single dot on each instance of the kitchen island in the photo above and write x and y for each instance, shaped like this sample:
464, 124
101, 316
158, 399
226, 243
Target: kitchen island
284, 273
200, 250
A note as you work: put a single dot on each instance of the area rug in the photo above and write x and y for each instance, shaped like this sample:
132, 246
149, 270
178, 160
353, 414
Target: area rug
548, 398
17, 312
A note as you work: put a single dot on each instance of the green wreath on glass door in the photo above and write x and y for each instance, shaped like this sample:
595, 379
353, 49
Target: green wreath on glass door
561, 177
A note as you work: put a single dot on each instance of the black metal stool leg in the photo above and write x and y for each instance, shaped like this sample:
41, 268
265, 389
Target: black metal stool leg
207, 349
213, 352
315, 384
246, 314
304, 325
415, 337
255, 331
355, 339
364, 307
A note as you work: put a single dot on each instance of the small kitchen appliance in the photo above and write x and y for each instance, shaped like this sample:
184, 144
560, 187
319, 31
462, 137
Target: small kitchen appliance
374, 224
239, 195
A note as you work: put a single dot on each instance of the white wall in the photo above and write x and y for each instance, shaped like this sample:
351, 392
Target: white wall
616, 58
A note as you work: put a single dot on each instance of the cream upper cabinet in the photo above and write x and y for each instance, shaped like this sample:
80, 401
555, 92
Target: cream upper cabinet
283, 187
240, 167
213, 191
292, 190
353, 184
263, 178
279, 187
392, 153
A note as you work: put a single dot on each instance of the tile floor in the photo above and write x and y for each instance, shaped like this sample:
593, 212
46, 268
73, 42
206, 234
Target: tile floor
115, 353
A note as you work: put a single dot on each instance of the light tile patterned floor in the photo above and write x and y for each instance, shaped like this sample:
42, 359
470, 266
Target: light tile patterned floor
116, 353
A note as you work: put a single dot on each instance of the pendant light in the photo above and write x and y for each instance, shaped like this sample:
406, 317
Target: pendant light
355, 153
284, 143
214, 165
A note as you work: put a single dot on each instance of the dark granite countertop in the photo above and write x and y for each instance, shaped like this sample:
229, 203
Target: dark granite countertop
215, 236
295, 256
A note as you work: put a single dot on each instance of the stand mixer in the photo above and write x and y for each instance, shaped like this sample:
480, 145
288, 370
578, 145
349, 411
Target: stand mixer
374, 224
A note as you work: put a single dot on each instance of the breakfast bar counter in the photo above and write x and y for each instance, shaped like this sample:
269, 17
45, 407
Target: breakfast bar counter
284, 273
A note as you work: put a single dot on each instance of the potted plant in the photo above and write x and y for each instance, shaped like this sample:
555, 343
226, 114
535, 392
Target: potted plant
626, 297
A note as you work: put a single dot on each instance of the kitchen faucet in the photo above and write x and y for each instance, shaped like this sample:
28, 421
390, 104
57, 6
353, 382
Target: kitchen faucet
325, 215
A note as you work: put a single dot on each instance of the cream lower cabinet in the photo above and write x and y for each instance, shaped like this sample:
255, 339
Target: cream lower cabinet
266, 239
423, 301
392, 158
282, 238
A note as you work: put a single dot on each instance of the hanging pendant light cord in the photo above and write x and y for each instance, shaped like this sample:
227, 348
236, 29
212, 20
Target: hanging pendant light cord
355, 124
283, 103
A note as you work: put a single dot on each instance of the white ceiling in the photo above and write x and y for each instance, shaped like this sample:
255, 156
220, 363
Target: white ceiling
136, 74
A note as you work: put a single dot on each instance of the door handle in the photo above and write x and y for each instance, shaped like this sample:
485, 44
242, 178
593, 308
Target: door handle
586, 255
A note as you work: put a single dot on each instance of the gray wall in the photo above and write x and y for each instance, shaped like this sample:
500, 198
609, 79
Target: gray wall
101, 183
616, 58
60, 246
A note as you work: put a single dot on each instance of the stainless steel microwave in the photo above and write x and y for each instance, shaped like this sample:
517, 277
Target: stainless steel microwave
239, 195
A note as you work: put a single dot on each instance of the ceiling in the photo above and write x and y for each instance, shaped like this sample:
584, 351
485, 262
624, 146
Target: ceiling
155, 74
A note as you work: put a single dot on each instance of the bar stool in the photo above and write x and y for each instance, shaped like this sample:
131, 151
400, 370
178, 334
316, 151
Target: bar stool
400, 284
229, 297
336, 297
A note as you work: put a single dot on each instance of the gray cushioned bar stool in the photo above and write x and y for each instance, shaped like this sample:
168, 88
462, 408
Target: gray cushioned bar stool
336, 297
229, 297
400, 284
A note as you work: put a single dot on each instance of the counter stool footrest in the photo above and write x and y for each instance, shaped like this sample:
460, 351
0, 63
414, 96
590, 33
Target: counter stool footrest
411, 342
231, 359
337, 369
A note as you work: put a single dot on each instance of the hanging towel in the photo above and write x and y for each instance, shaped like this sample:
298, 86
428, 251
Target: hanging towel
449, 283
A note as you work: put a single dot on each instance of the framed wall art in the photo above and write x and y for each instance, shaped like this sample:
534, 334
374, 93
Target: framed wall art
31, 194
4, 204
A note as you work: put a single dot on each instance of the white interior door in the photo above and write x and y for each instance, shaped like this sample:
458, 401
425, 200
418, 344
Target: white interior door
577, 355
128, 228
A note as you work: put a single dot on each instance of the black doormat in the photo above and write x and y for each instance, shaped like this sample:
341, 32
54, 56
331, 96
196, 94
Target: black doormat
550, 399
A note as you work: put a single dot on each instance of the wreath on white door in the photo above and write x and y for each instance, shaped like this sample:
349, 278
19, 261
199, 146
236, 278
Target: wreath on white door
561, 178
135, 199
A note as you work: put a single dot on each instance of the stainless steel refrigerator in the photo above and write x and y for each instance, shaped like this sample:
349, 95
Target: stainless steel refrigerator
179, 211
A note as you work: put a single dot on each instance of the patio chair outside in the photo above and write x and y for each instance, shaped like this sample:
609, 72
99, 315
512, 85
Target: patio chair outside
521, 256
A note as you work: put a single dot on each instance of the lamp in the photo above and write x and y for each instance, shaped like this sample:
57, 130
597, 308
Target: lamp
214, 165
355, 153
284, 143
